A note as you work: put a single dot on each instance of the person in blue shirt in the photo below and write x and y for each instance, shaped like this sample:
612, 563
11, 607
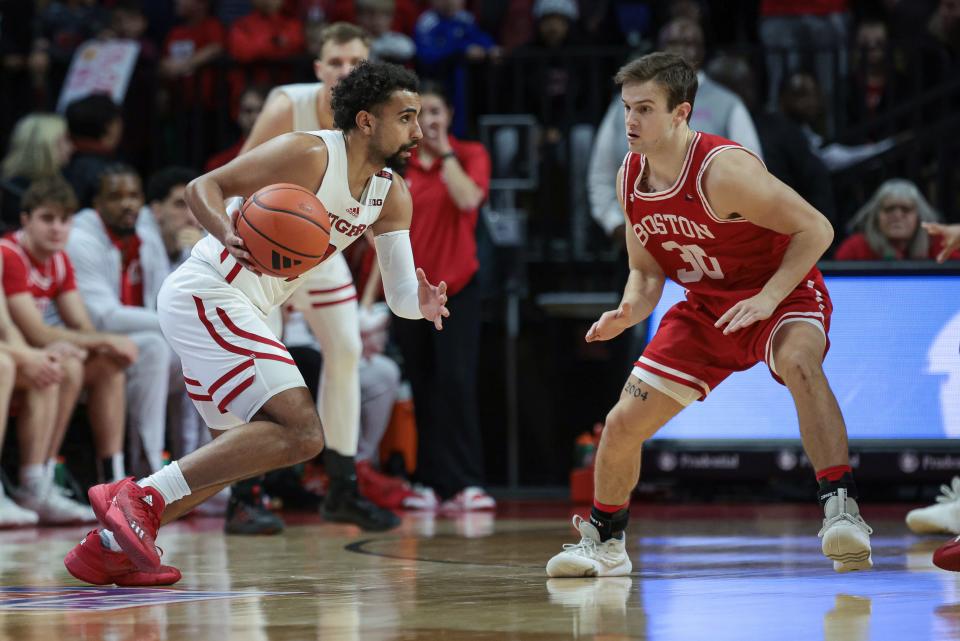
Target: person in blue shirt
447, 37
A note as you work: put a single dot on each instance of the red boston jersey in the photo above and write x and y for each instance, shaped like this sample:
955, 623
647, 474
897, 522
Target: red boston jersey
712, 257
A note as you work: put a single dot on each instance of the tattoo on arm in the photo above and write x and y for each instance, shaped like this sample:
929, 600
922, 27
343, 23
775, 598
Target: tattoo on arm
635, 391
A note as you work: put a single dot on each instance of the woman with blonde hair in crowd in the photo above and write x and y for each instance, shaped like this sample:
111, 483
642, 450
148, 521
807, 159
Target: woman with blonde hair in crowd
39, 148
891, 226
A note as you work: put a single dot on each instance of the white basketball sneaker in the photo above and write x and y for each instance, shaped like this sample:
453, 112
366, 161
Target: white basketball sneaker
12, 515
590, 557
943, 517
53, 508
846, 536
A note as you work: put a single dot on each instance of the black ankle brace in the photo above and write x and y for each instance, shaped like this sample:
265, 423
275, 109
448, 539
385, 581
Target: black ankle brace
609, 525
339, 466
829, 488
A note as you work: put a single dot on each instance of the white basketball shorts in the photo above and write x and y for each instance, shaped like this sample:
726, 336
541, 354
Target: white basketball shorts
232, 360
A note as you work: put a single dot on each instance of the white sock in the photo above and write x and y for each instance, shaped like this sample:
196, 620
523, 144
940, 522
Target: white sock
108, 541
33, 478
117, 466
169, 482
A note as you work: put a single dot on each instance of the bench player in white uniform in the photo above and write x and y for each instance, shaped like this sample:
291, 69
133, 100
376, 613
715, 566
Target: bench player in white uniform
213, 309
328, 300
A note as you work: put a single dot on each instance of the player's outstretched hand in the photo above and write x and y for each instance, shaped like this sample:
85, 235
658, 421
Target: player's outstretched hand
233, 243
433, 299
611, 324
747, 312
950, 235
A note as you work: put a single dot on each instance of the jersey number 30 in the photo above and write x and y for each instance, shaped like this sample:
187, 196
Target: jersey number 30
700, 264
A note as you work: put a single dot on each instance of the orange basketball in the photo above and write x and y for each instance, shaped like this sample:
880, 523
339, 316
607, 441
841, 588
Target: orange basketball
285, 228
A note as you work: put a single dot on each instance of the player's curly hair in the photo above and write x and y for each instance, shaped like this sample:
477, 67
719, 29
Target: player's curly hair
368, 85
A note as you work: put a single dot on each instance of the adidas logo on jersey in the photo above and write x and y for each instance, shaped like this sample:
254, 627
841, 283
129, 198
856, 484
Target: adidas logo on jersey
148, 500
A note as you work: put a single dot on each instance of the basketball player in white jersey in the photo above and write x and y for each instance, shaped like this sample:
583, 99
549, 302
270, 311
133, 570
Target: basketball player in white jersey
213, 310
328, 301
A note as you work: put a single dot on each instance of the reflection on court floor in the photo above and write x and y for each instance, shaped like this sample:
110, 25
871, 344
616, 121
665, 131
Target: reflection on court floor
699, 573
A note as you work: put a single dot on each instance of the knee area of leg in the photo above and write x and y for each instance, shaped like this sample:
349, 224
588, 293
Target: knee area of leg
72, 370
311, 442
305, 435
616, 426
344, 353
8, 368
798, 363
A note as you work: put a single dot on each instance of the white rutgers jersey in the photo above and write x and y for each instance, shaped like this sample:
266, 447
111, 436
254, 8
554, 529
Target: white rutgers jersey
349, 218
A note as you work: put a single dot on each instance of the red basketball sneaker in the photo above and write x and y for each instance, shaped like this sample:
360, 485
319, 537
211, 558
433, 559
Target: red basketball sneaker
383, 491
947, 556
91, 562
134, 518
100, 496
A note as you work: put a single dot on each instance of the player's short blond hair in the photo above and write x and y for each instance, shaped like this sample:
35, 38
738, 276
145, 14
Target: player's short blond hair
341, 33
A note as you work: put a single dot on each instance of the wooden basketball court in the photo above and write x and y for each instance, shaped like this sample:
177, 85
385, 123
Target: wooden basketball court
716, 573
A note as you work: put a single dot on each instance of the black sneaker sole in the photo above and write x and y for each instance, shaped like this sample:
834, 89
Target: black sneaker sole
362, 521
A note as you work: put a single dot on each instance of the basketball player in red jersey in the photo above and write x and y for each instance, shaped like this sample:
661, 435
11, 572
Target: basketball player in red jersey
705, 212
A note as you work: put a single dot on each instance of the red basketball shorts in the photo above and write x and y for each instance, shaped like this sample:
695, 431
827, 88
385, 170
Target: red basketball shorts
688, 350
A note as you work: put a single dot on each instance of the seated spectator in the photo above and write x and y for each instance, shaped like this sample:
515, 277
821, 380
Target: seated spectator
41, 383
198, 40
39, 283
265, 34
62, 27
811, 32
889, 227
556, 91
447, 38
870, 66
119, 273
801, 101
716, 110
95, 124
251, 104
510, 23
166, 216
128, 22
39, 148
786, 151
376, 16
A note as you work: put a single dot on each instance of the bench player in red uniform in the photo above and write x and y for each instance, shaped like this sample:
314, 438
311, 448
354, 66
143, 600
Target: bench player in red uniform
704, 211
